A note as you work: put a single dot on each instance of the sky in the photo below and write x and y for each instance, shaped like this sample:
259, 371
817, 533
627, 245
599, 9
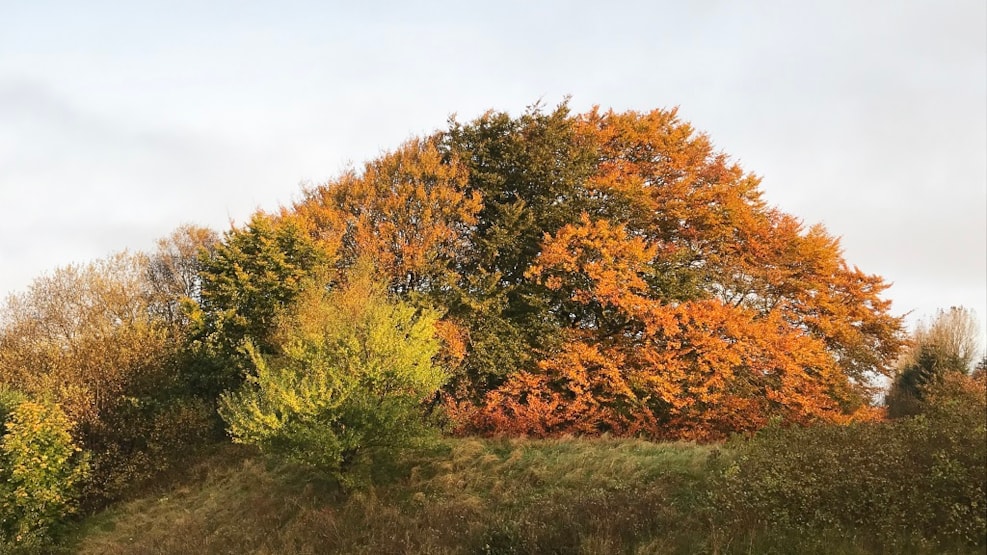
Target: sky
120, 121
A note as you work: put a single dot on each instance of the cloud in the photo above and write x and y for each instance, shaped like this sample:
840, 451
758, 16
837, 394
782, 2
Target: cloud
75, 187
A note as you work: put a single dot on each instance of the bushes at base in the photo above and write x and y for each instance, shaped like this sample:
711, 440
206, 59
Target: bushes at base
144, 438
912, 484
41, 469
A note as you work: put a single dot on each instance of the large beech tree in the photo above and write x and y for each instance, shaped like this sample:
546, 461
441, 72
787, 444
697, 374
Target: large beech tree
597, 272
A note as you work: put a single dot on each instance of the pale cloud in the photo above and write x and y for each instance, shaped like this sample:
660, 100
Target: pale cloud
74, 187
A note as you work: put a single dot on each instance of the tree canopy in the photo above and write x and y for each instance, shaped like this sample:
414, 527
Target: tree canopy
597, 272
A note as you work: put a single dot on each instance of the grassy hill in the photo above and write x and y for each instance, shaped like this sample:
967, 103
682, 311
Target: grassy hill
467, 496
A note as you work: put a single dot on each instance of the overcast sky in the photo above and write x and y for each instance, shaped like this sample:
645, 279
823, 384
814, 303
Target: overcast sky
120, 121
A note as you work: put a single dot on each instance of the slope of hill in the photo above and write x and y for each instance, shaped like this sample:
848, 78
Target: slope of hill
466, 496
563, 496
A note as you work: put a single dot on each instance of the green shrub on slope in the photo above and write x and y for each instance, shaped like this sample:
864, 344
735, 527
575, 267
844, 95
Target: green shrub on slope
915, 484
41, 470
355, 370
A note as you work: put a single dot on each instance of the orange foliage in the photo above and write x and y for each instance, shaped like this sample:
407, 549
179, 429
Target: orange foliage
691, 308
581, 390
697, 369
704, 216
453, 338
407, 212
595, 261
700, 370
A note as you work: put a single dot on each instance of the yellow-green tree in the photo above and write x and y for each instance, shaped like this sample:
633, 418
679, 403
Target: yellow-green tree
41, 471
355, 369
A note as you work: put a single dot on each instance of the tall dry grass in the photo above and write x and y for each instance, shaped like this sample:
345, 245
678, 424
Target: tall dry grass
467, 496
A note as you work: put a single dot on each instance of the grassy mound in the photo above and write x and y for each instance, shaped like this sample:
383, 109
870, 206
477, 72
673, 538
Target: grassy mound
859, 489
469, 496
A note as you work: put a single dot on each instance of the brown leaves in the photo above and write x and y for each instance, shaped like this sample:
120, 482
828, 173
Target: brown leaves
84, 335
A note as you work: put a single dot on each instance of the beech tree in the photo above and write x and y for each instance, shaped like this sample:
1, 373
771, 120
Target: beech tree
408, 210
530, 173
716, 237
698, 369
596, 272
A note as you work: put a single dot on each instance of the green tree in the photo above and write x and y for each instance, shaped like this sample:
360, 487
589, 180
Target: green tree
981, 369
354, 370
248, 282
530, 172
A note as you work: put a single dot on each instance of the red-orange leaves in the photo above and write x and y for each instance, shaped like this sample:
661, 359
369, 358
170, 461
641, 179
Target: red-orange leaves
596, 262
717, 238
581, 390
698, 369
708, 370
720, 370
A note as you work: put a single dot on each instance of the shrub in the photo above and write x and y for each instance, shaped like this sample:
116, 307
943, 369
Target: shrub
41, 469
355, 370
142, 439
916, 483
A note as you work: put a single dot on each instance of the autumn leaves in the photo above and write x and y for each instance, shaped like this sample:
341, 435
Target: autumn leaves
602, 272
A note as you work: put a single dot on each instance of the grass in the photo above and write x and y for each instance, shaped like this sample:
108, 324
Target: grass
466, 496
